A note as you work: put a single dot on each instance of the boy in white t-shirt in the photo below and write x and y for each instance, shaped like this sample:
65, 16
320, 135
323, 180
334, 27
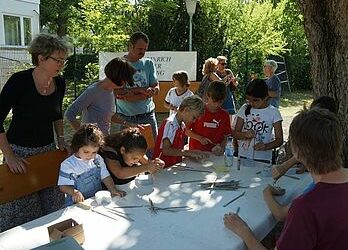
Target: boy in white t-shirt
256, 121
178, 93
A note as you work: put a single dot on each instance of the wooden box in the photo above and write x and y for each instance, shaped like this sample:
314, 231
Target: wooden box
66, 228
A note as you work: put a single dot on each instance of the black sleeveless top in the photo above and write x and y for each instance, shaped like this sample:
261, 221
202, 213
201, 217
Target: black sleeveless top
114, 156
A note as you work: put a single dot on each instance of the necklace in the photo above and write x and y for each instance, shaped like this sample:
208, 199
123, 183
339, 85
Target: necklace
45, 87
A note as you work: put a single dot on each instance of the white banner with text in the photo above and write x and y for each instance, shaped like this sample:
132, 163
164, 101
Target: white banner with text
166, 62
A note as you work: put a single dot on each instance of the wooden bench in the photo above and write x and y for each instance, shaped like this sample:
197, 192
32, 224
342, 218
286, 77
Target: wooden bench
42, 172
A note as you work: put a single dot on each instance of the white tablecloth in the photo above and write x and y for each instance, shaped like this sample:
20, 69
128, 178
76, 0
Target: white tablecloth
199, 228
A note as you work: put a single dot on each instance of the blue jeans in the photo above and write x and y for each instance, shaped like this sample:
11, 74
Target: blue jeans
88, 183
147, 118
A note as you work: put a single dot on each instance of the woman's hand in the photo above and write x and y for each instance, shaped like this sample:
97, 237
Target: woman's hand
61, 143
16, 164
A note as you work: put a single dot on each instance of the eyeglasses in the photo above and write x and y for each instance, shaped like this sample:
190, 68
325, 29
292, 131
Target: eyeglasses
58, 61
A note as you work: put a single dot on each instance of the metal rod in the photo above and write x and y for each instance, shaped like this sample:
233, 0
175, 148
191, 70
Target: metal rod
190, 35
238, 209
292, 177
234, 199
182, 182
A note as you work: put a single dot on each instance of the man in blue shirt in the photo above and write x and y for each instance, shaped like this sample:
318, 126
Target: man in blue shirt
135, 104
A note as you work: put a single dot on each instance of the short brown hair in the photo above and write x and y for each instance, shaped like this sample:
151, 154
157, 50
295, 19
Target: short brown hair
316, 136
118, 70
136, 36
45, 45
87, 135
182, 77
217, 91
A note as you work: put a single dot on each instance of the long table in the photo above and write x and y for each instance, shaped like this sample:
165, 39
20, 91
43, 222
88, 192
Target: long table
201, 227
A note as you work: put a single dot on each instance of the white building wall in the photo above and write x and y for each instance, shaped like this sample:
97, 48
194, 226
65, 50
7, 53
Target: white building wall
14, 58
24, 8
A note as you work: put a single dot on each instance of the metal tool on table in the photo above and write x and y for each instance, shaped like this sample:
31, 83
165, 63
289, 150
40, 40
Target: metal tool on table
191, 181
154, 209
222, 185
234, 199
186, 168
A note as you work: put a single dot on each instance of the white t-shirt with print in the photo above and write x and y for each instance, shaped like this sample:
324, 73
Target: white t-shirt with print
261, 121
174, 99
75, 165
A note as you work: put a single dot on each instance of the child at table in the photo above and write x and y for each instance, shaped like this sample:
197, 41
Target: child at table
209, 132
255, 122
281, 211
81, 174
169, 144
124, 154
317, 219
178, 93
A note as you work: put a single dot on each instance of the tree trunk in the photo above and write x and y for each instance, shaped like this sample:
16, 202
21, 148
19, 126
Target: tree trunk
326, 27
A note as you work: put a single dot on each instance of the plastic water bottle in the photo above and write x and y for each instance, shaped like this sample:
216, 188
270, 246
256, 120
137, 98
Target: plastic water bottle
229, 152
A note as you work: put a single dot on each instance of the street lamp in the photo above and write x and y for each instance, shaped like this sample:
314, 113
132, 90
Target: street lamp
191, 9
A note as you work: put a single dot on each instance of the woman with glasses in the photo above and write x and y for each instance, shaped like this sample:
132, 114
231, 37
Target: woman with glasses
231, 82
35, 97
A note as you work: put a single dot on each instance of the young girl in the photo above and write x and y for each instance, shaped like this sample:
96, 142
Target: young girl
255, 122
178, 93
169, 144
81, 174
124, 154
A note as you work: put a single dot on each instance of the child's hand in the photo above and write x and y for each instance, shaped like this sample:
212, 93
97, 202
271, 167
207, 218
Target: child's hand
278, 171
250, 134
260, 146
197, 154
172, 107
267, 192
77, 196
205, 141
217, 150
234, 223
156, 165
119, 193
159, 162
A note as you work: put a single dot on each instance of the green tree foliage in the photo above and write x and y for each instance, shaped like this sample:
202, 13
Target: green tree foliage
247, 31
297, 54
101, 25
54, 15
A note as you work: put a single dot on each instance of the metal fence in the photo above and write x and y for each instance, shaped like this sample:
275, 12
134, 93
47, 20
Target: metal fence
12, 60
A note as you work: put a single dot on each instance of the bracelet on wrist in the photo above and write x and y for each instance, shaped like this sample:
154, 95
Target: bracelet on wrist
60, 136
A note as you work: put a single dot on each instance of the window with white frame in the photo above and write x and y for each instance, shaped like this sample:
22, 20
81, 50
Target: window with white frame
18, 31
